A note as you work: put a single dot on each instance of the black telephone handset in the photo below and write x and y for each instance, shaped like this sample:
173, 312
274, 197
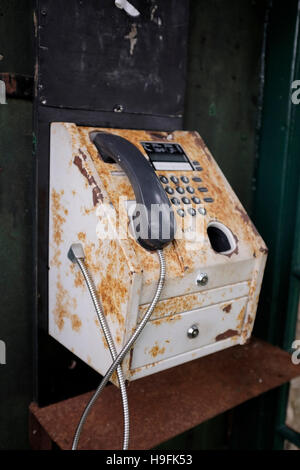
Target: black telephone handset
154, 220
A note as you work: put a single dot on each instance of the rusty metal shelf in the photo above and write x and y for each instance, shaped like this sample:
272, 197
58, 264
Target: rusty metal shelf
168, 403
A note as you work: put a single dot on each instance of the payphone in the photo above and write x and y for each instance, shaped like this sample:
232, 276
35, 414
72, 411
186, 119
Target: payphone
153, 221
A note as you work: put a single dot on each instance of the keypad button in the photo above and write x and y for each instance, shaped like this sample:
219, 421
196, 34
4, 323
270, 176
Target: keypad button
181, 212
164, 179
196, 200
197, 179
174, 179
195, 162
208, 199
185, 179
198, 168
180, 190
190, 189
186, 200
169, 190
192, 211
175, 201
203, 190
202, 210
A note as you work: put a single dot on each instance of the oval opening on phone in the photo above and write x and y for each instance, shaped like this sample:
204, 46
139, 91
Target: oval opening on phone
221, 238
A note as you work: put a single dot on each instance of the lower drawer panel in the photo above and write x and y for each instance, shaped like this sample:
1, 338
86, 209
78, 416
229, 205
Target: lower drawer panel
167, 337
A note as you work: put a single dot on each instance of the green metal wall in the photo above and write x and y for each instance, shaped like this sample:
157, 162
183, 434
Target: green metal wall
16, 229
224, 84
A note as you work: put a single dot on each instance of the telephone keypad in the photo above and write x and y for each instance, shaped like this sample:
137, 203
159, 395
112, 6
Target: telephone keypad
180, 190
169, 190
190, 189
185, 179
186, 200
192, 211
175, 201
196, 200
163, 179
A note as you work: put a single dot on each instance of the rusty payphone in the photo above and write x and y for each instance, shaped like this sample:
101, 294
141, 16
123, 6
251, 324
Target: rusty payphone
147, 259
213, 277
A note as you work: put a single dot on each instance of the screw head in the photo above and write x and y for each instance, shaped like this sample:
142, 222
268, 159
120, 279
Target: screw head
202, 279
193, 331
118, 108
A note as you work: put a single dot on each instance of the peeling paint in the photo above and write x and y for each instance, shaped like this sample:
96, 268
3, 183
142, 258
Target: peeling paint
132, 37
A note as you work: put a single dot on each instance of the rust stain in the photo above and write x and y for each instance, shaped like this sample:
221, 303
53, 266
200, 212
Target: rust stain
55, 260
236, 250
173, 306
227, 334
57, 218
62, 309
130, 358
169, 319
240, 318
114, 378
78, 280
113, 292
159, 135
247, 220
118, 339
81, 236
156, 350
227, 308
200, 142
97, 195
82, 154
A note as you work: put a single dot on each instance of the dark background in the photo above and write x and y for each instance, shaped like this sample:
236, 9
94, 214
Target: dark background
235, 48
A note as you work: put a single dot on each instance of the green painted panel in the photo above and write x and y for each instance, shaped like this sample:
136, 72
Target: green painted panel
16, 229
223, 89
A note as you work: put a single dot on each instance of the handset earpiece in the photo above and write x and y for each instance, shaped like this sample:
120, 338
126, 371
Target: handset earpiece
154, 219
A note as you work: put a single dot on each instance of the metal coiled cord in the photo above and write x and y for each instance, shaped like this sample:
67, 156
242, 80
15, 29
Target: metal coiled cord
124, 351
111, 345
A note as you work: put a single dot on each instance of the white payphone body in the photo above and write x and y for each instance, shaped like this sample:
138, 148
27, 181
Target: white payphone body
214, 266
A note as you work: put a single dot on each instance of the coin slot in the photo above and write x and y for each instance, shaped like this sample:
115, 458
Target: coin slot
221, 238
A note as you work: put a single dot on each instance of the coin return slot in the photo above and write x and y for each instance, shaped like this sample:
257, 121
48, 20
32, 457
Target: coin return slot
221, 238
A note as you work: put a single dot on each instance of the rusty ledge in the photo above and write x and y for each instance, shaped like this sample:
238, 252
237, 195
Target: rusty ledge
18, 85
